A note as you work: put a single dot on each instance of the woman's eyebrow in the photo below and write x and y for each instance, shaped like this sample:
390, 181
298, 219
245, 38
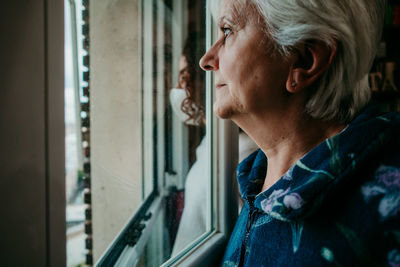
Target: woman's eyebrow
224, 18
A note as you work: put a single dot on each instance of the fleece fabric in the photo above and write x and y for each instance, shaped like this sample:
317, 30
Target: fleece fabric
336, 206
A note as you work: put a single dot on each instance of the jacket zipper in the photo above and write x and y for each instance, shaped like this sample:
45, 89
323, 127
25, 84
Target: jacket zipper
250, 218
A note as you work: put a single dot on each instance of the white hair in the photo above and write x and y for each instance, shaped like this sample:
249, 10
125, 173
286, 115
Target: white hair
354, 25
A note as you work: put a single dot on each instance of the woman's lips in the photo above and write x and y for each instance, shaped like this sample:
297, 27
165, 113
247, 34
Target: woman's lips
218, 86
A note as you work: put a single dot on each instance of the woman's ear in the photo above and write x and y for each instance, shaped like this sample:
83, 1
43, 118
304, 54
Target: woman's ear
309, 64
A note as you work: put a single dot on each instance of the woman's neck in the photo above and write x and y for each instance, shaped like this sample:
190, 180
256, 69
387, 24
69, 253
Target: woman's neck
285, 139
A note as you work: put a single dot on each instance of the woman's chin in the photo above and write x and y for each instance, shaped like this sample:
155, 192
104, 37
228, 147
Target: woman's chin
223, 111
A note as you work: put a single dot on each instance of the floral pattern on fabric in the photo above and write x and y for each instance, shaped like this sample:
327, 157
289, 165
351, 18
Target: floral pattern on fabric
269, 203
387, 186
293, 201
394, 258
327, 254
288, 175
338, 205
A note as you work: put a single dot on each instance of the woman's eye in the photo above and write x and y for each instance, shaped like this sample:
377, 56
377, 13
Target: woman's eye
226, 31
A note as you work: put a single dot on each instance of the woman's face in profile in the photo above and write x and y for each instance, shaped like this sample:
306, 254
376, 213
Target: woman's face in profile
248, 78
184, 75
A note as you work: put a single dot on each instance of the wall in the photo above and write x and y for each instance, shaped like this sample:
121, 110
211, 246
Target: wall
115, 117
32, 227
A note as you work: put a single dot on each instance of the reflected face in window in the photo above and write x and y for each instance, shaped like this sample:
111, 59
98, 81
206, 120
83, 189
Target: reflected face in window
249, 78
184, 75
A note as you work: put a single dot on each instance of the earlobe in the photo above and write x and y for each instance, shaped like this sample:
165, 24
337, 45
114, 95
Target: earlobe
291, 83
308, 65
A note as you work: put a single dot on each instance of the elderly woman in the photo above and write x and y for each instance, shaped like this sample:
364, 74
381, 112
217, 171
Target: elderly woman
293, 76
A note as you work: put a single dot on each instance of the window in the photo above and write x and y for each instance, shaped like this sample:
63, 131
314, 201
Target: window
75, 135
160, 163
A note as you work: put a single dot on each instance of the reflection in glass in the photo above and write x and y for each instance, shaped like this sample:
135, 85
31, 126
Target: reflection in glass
187, 101
173, 177
174, 146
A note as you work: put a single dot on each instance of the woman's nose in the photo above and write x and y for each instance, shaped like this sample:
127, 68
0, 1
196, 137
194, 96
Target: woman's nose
209, 61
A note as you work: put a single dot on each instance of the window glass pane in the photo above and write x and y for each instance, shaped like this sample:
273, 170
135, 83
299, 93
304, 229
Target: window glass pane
74, 157
115, 118
150, 175
175, 148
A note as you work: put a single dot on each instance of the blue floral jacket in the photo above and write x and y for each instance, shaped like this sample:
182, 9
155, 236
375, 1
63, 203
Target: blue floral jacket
337, 206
